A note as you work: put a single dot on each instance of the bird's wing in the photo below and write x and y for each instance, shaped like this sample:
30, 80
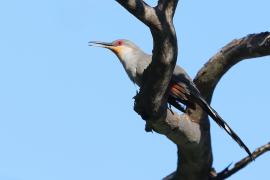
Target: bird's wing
182, 87
179, 91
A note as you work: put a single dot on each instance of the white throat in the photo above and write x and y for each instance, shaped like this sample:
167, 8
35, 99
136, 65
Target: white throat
129, 61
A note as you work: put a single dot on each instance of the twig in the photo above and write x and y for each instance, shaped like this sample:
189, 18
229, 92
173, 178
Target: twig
243, 162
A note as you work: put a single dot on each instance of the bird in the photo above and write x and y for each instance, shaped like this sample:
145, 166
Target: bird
183, 93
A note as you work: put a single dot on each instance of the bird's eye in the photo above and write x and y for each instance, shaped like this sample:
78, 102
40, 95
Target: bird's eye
119, 43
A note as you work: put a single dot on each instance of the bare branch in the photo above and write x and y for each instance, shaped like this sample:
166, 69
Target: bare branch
192, 140
251, 46
254, 45
141, 10
168, 6
243, 163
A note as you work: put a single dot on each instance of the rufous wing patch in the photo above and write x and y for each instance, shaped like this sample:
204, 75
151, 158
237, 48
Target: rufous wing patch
178, 91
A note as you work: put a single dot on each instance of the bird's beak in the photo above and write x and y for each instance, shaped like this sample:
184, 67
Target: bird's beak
101, 44
110, 46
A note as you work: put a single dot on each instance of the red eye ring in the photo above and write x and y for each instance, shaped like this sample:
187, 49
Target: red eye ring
119, 43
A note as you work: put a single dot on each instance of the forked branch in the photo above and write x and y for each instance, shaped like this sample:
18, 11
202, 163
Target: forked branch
193, 139
140, 10
251, 46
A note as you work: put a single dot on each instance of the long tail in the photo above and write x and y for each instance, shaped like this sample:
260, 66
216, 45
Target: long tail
214, 115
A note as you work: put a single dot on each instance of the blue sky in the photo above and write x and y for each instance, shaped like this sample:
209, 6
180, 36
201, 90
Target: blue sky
66, 110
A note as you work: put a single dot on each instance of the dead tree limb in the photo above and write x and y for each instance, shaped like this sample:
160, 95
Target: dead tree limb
242, 163
151, 102
251, 46
191, 137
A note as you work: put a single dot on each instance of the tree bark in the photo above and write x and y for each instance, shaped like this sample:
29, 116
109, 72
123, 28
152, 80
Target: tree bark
191, 137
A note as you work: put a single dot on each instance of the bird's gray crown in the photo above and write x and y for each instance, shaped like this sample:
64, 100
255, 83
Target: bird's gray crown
125, 42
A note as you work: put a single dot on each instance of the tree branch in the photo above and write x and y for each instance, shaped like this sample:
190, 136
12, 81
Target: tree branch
251, 46
167, 6
242, 163
141, 10
151, 102
192, 139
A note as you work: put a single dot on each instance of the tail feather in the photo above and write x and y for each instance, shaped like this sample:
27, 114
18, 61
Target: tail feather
214, 115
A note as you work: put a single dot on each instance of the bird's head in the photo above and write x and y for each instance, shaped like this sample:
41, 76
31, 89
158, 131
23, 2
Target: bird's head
133, 59
122, 48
